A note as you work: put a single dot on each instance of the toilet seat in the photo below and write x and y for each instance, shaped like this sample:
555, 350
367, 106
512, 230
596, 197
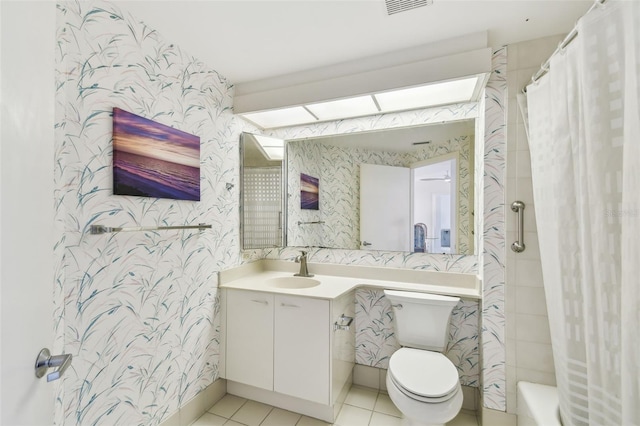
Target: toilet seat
423, 375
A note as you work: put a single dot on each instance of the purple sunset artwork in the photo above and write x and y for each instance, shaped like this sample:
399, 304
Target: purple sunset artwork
154, 160
309, 192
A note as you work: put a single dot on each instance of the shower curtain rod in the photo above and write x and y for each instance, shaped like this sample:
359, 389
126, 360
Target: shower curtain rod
564, 43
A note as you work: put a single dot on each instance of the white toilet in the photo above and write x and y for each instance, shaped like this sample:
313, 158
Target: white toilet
421, 381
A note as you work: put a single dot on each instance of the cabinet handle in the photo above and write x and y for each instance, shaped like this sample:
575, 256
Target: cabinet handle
264, 302
288, 305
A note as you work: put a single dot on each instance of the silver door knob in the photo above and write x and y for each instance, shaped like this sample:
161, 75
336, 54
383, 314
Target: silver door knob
45, 361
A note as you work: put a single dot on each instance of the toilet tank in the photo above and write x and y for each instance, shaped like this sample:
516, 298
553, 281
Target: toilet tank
421, 319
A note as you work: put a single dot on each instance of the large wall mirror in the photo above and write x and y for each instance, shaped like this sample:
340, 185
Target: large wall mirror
406, 189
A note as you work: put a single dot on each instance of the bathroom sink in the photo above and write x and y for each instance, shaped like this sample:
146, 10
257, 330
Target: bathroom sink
292, 282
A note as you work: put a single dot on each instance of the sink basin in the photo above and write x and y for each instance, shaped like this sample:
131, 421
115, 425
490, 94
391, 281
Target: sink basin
292, 282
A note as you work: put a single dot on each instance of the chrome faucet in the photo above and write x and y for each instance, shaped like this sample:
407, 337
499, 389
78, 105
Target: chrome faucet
302, 260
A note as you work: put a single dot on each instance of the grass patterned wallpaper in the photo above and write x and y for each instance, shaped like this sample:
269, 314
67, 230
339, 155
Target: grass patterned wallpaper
138, 311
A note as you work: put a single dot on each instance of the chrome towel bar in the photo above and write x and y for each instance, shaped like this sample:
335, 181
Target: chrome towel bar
101, 229
518, 207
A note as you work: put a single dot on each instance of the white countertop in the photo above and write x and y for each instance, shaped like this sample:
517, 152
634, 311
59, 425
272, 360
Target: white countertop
336, 280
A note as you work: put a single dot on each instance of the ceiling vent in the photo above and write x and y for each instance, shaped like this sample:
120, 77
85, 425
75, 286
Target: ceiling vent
397, 6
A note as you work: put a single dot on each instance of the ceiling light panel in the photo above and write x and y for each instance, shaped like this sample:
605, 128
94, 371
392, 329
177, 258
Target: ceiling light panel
269, 142
351, 107
435, 94
273, 148
448, 92
274, 154
280, 117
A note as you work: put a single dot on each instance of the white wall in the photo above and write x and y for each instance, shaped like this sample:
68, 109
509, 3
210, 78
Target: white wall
529, 355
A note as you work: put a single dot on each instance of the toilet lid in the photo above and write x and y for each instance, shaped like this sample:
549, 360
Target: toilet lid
424, 373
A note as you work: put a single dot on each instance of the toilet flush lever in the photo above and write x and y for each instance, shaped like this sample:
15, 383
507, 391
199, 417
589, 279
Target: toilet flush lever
397, 306
45, 361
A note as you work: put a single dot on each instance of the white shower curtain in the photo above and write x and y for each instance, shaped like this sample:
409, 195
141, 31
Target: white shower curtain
584, 127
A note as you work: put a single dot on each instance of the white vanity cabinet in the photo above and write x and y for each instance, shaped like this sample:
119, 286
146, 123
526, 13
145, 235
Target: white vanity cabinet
284, 350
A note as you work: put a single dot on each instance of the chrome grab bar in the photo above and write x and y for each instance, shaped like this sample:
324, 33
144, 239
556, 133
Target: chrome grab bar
518, 207
45, 361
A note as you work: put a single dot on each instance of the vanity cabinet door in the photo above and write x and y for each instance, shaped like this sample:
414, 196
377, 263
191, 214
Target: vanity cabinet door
302, 348
250, 338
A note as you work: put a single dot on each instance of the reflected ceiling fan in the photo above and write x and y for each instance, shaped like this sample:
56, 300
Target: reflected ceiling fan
445, 178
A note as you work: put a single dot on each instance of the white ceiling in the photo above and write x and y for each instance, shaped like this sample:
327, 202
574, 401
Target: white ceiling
252, 40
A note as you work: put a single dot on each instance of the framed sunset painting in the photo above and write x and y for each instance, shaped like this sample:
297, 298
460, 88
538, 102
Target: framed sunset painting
154, 160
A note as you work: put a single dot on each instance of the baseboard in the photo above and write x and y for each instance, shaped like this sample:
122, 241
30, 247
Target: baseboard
342, 396
198, 405
489, 417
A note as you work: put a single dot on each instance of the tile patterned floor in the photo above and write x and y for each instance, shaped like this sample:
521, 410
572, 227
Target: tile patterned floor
362, 407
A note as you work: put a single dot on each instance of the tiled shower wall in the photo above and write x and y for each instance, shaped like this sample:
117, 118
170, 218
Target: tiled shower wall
529, 356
